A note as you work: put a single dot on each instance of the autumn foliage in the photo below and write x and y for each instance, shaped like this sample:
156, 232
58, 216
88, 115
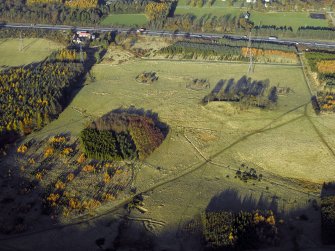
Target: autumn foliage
31, 2
238, 231
32, 95
155, 11
326, 66
118, 136
266, 53
84, 4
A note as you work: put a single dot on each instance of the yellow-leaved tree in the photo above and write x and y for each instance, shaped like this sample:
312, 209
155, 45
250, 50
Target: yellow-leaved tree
156, 10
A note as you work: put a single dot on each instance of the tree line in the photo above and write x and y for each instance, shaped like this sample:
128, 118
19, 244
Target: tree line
55, 13
225, 230
229, 49
245, 91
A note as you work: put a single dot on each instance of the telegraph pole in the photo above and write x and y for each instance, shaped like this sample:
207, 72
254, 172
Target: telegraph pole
21, 42
81, 54
249, 51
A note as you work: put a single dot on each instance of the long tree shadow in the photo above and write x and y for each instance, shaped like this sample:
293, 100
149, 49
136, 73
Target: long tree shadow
230, 200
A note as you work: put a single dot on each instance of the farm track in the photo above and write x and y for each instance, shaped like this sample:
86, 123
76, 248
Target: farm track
321, 137
83, 219
262, 130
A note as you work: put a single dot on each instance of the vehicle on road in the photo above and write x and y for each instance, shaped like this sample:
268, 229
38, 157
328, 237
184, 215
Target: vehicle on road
140, 30
272, 38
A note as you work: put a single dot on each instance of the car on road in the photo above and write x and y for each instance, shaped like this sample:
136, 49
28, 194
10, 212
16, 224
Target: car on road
272, 38
141, 30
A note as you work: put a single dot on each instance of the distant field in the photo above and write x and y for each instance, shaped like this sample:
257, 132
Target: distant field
125, 19
293, 19
219, 8
34, 49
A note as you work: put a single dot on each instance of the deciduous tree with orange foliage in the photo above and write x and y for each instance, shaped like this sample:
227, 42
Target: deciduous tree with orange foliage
84, 4
326, 66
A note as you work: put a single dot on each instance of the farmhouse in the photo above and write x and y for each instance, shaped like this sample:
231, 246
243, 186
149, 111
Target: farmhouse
84, 34
80, 36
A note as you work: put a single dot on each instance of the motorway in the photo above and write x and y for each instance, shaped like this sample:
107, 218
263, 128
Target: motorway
304, 42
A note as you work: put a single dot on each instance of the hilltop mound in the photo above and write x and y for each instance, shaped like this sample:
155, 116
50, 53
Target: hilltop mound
123, 134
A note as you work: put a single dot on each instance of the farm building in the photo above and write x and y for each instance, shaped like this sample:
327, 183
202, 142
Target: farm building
84, 34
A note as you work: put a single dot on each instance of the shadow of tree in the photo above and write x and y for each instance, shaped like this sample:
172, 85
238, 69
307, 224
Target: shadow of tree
230, 200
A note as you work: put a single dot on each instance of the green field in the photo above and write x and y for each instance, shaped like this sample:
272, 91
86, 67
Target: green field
125, 19
293, 19
216, 10
179, 107
34, 49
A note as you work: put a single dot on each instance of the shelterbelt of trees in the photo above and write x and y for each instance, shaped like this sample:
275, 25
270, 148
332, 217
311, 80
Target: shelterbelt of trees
33, 95
228, 50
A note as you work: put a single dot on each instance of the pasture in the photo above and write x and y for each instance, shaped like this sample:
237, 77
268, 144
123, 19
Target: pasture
207, 143
223, 123
125, 19
34, 49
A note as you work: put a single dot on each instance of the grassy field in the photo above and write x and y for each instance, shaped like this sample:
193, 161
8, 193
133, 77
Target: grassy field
206, 144
125, 19
34, 49
223, 122
216, 9
293, 19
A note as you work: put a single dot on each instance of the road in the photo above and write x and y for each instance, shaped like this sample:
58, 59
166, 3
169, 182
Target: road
305, 42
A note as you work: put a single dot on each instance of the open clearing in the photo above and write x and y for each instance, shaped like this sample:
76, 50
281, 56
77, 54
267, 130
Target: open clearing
289, 146
125, 19
34, 49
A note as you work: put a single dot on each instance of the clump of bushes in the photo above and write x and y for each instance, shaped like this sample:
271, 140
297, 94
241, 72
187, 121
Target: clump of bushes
237, 231
147, 77
248, 174
198, 84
